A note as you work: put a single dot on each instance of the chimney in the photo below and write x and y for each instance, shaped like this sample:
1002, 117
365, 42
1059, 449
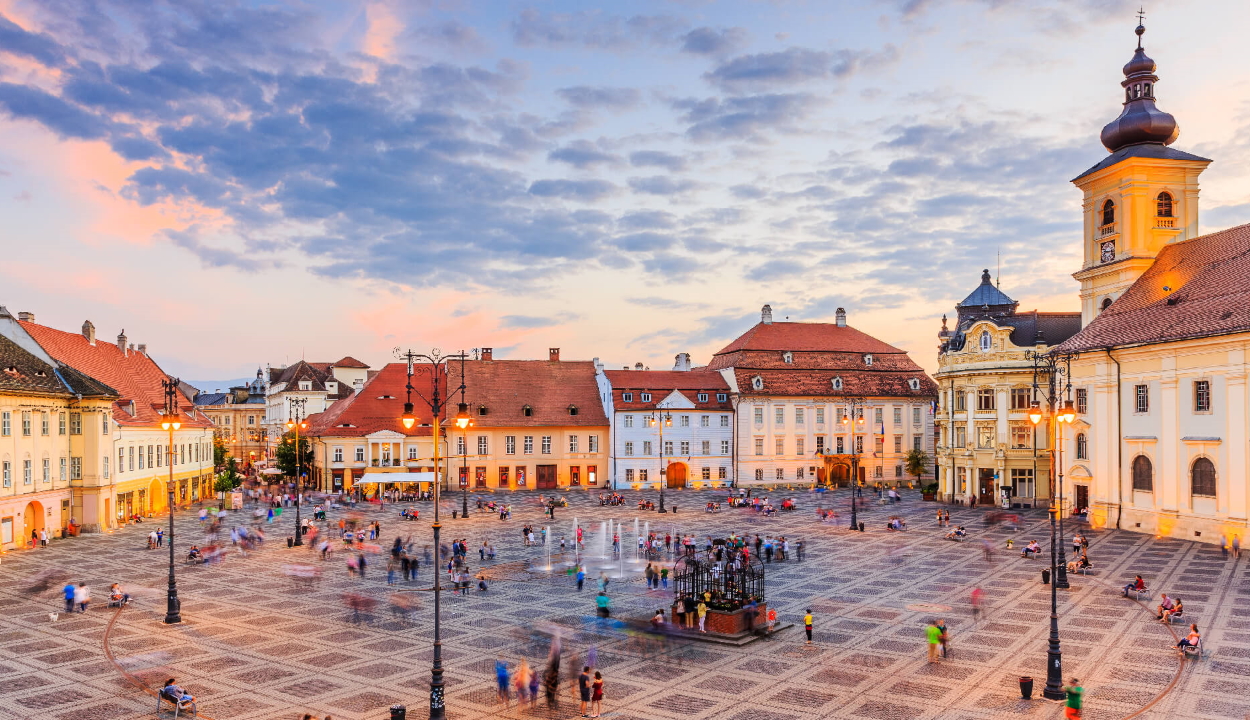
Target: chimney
683, 362
131, 347
553, 354
488, 353
637, 366
26, 317
143, 348
766, 314
841, 316
121, 342
88, 331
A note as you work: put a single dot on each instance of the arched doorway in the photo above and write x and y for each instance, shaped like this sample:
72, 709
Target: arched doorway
33, 519
157, 497
841, 475
676, 475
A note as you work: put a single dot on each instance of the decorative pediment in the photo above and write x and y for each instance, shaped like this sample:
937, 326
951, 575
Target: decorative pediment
386, 435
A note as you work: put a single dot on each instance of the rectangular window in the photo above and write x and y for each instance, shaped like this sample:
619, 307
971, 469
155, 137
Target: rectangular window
45, 426
839, 415
75, 423
798, 474
592, 443
646, 397
799, 446
898, 443
685, 421
898, 416
338, 454
75, 468
6, 423
627, 421
629, 448
160, 456
63, 471
759, 416
707, 473
251, 419
546, 444
1020, 398
60, 424
759, 474
26, 472
629, 475
527, 445
483, 444
1082, 400
646, 447
627, 397
685, 447
722, 472
460, 446
724, 447
820, 444
841, 445
961, 401
509, 444
47, 469
130, 458
759, 446
705, 421
781, 473
141, 457
722, 397
702, 397
800, 416
412, 452
724, 421
1021, 436
779, 415
104, 466
668, 447
961, 436
878, 446
707, 447
8, 474
360, 454
26, 426
780, 446
573, 444
1202, 396
1141, 395
898, 471
915, 443
150, 457
985, 399
121, 459
876, 472
820, 416
859, 444
915, 416
1022, 482
985, 436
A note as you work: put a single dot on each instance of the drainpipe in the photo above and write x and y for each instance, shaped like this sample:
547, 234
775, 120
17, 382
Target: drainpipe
1119, 445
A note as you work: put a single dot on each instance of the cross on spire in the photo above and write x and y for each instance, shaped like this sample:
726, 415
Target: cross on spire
1141, 25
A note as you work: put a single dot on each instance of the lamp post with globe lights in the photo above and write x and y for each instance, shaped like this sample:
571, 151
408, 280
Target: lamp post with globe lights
171, 421
855, 418
296, 423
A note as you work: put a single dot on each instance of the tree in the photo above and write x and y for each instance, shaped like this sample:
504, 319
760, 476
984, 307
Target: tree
230, 478
220, 452
284, 453
917, 463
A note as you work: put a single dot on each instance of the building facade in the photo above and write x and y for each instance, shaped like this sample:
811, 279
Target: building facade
314, 384
46, 450
988, 449
792, 385
673, 427
1162, 356
238, 417
134, 480
537, 424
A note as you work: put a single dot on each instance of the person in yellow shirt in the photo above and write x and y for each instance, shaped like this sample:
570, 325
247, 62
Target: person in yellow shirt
702, 610
807, 625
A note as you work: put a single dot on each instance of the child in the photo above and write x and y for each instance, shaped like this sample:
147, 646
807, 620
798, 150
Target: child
772, 619
807, 625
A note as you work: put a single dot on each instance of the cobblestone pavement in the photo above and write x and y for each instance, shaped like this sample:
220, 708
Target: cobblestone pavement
255, 644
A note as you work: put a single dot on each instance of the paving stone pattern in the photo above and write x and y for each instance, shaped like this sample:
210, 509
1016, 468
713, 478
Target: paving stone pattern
256, 644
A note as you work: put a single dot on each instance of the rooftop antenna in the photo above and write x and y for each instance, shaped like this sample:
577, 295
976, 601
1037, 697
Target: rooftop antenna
998, 279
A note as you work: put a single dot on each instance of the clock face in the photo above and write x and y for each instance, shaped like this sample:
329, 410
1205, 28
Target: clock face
1108, 251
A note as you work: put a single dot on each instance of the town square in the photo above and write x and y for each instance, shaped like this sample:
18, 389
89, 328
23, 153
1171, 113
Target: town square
727, 359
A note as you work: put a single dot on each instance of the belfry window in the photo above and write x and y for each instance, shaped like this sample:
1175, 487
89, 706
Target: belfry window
1108, 213
987, 342
1164, 205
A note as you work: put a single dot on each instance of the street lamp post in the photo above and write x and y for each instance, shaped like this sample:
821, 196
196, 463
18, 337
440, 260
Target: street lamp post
665, 419
1053, 367
856, 420
173, 606
464, 458
296, 422
438, 709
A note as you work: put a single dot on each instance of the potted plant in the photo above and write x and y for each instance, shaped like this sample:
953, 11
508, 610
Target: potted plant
929, 492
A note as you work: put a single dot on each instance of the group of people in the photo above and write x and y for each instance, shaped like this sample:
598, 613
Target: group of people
527, 684
612, 499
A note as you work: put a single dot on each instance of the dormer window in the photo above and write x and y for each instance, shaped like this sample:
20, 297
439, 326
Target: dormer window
722, 397
1164, 205
526, 410
305, 385
868, 360
332, 387
572, 409
646, 397
757, 383
837, 383
787, 357
987, 341
481, 410
702, 397
627, 397
1108, 213
913, 383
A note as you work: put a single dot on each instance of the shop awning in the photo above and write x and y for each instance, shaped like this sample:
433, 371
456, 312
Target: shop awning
400, 477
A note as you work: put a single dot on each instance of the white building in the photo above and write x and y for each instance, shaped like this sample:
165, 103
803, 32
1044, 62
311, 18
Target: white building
317, 384
674, 427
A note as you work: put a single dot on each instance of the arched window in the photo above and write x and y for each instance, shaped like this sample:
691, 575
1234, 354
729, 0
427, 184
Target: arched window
1106, 303
868, 360
837, 383
1164, 205
1202, 478
1143, 474
986, 341
1082, 447
1108, 213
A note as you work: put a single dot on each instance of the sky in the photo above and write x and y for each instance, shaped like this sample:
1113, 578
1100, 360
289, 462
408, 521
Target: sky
238, 184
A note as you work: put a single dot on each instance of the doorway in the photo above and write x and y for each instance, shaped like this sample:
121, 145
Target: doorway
985, 487
546, 477
676, 475
841, 475
33, 521
1082, 499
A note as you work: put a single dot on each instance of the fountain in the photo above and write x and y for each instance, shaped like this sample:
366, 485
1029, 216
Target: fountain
547, 548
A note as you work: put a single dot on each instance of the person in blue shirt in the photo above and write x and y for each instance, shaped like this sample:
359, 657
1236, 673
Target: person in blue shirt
68, 591
581, 577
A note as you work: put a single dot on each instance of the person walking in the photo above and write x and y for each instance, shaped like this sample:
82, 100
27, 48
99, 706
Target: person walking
772, 619
43, 538
934, 636
1072, 707
807, 625
1236, 546
82, 597
664, 577
160, 537
978, 599
944, 638
68, 592
581, 577
596, 695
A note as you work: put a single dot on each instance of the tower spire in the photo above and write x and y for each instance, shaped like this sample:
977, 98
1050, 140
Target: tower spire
1140, 121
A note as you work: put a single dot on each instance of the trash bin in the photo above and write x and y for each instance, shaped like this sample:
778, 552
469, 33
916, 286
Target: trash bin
1046, 576
861, 527
290, 541
399, 712
1026, 688
453, 514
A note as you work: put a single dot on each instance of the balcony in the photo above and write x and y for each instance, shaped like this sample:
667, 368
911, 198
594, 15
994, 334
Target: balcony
1106, 231
1165, 222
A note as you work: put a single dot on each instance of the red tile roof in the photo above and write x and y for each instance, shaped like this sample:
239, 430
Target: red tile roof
805, 337
548, 387
866, 383
349, 362
662, 383
1209, 277
134, 375
380, 404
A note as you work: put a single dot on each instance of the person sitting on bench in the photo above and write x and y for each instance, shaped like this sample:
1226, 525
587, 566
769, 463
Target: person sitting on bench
171, 691
1189, 641
1079, 564
116, 596
1177, 610
1138, 585
194, 554
1031, 549
957, 534
1165, 605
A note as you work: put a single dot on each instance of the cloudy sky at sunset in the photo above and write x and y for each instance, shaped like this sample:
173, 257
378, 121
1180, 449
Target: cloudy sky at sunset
245, 183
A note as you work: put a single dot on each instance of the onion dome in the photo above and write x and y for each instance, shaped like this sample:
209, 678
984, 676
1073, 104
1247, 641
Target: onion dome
1140, 121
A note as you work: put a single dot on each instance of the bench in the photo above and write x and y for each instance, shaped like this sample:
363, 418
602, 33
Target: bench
1085, 570
179, 705
1173, 616
957, 538
1194, 650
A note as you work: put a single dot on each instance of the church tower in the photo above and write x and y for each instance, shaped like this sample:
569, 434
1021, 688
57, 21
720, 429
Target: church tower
1144, 195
